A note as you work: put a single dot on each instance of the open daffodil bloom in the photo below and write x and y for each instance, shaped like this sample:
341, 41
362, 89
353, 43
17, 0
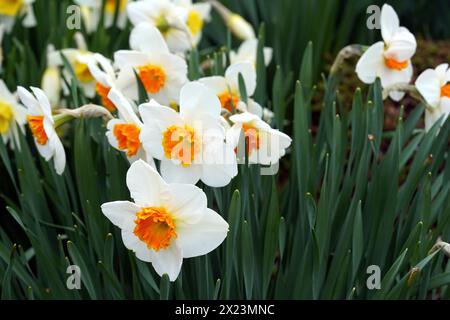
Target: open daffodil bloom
162, 74
166, 222
190, 144
390, 59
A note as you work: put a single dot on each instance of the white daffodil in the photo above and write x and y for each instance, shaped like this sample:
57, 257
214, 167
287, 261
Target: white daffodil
161, 72
197, 15
390, 59
104, 74
123, 133
264, 144
247, 53
434, 86
227, 88
41, 123
92, 11
166, 222
51, 82
190, 144
12, 116
167, 17
10, 10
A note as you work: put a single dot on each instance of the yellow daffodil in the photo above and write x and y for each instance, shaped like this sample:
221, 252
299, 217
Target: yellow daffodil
197, 15
12, 116
10, 10
92, 11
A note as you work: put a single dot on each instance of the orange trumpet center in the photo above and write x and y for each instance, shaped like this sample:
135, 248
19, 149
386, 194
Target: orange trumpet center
153, 78
155, 227
181, 143
36, 124
228, 101
103, 91
445, 91
127, 136
252, 138
395, 64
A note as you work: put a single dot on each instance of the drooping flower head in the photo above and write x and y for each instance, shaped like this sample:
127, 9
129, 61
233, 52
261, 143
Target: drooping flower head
41, 123
166, 222
12, 116
104, 74
434, 86
168, 18
390, 59
162, 73
190, 144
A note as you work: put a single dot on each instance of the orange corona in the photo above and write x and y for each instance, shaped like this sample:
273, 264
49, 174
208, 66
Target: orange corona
395, 65
155, 227
180, 143
103, 91
445, 91
127, 136
228, 101
36, 124
153, 78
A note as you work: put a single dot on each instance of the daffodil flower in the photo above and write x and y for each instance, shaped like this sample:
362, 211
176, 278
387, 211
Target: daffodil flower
41, 123
78, 59
168, 18
247, 53
10, 10
190, 144
227, 88
166, 222
104, 74
264, 144
123, 133
92, 11
390, 59
161, 72
434, 86
197, 15
12, 116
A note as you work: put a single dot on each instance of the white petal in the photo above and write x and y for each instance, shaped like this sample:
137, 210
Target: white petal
123, 106
389, 22
145, 184
121, 213
59, 156
203, 237
187, 203
196, 98
248, 74
175, 173
370, 63
219, 165
428, 84
29, 101
129, 58
132, 242
402, 45
217, 84
147, 38
168, 261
